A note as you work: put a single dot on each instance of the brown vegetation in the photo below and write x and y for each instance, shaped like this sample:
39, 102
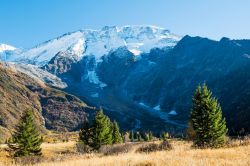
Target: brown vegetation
65, 153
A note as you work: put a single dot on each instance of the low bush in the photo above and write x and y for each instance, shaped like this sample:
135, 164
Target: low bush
165, 145
115, 149
153, 147
147, 148
145, 163
242, 141
82, 148
29, 160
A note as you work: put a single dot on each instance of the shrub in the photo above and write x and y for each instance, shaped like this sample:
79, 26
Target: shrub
147, 148
165, 145
153, 147
29, 160
115, 149
145, 163
82, 148
244, 141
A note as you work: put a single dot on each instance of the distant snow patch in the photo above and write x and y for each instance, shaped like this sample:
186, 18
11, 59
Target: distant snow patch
173, 112
144, 105
95, 95
135, 51
151, 63
158, 108
94, 79
246, 55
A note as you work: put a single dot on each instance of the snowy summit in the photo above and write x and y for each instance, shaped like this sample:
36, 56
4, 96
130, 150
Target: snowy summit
137, 39
5, 47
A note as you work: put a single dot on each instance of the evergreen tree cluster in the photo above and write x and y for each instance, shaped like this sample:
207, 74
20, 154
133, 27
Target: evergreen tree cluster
140, 136
207, 127
101, 132
164, 136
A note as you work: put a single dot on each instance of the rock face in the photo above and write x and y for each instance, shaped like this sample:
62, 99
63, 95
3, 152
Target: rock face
60, 63
53, 109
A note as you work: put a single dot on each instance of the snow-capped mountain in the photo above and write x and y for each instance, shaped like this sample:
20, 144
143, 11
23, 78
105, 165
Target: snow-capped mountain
143, 76
137, 39
6, 51
5, 47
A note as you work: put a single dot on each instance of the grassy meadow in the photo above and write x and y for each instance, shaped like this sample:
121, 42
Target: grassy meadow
182, 153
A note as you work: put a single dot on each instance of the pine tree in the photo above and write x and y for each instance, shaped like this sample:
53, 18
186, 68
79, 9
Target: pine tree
26, 140
117, 137
102, 130
206, 119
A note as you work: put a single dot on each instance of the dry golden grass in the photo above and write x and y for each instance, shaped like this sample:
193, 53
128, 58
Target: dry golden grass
63, 154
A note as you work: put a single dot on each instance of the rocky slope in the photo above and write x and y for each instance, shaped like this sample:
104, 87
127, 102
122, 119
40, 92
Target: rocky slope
53, 109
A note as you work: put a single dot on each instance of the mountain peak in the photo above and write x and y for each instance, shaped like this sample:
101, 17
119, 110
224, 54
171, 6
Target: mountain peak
136, 38
6, 47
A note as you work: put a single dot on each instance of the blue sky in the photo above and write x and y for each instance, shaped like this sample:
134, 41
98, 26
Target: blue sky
25, 23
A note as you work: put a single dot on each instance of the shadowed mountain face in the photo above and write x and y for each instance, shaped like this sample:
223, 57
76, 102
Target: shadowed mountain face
160, 84
53, 109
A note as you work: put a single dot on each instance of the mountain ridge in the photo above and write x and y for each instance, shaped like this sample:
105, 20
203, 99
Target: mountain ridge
99, 42
152, 90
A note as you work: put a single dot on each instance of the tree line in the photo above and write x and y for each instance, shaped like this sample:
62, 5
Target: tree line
206, 128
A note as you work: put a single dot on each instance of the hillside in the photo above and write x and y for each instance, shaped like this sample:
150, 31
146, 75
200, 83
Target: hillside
53, 109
